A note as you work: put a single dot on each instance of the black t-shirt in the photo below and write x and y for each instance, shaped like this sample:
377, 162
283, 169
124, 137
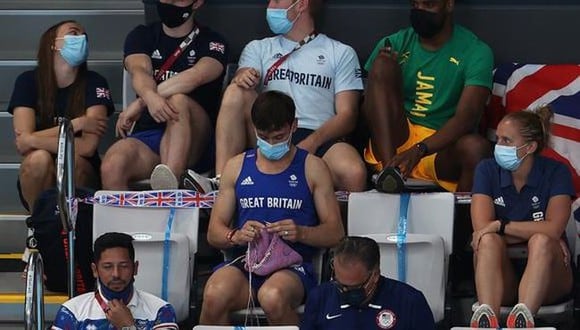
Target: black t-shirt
25, 94
152, 41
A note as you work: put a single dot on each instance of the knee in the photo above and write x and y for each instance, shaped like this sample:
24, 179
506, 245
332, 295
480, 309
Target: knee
111, 165
215, 298
539, 245
472, 149
354, 174
490, 242
182, 104
236, 96
383, 69
273, 301
36, 164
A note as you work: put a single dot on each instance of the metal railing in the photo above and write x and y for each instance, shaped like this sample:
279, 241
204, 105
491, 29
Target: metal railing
67, 203
34, 298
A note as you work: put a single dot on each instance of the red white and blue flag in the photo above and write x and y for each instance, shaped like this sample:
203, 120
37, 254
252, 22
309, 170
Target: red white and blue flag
530, 86
158, 198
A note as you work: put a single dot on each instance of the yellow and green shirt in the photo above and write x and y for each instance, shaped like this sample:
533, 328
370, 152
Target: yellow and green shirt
434, 80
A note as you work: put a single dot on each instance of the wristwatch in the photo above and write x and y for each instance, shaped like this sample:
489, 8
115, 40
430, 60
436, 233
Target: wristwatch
131, 327
501, 230
422, 148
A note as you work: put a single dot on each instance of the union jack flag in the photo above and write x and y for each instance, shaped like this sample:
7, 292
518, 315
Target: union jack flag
217, 46
158, 198
529, 86
103, 93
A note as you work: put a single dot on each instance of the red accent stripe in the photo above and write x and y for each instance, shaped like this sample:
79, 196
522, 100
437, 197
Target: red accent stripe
566, 132
531, 88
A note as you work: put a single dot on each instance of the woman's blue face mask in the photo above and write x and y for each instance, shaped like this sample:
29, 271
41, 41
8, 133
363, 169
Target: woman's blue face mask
75, 49
507, 156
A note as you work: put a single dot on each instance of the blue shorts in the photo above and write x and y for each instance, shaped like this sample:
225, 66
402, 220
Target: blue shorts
303, 133
151, 138
305, 272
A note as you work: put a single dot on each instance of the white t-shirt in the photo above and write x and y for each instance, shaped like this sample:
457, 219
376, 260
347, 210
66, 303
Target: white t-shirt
84, 312
312, 75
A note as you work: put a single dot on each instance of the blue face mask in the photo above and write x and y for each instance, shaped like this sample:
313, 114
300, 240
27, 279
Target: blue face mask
507, 156
278, 19
75, 50
124, 296
273, 151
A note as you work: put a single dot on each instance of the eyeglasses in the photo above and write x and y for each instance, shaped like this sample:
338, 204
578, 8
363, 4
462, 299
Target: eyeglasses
344, 287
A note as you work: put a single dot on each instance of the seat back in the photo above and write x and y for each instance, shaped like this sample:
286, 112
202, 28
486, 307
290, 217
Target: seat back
429, 238
148, 227
425, 256
372, 212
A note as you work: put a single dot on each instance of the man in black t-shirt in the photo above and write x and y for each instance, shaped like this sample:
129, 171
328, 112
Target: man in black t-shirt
177, 69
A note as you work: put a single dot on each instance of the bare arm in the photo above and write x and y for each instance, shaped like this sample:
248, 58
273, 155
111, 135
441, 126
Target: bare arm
93, 124
330, 230
225, 205
206, 70
469, 109
342, 124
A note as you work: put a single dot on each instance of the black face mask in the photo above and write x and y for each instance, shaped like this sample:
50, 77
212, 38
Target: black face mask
427, 24
173, 16
354, 297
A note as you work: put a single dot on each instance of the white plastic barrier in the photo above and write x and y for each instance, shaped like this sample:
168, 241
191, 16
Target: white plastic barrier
148, 226
429, 238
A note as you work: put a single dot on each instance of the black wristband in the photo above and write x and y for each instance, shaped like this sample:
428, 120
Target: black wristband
422, 148
501, 230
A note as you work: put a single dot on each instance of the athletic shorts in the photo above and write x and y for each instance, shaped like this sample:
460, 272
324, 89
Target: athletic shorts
305, 272
152, 138
303, 133
425, 169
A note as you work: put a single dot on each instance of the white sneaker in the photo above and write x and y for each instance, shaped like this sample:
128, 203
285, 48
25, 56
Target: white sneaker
520, 317
484, 317
194, 181
162, 178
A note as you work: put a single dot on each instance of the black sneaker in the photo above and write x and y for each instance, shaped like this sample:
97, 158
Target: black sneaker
389, 180
194, 181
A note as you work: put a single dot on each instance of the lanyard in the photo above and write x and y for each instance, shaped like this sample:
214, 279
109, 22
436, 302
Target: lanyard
282, 59
169, 62
101, 302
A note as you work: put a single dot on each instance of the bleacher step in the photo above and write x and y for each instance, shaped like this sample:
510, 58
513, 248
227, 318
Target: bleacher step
12, 299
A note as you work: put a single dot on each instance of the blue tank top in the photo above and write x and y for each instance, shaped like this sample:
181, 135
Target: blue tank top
273, 197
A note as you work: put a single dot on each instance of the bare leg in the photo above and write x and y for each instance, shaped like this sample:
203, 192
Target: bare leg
546, 278
494, 276
347, 168
37, 173
383, 108
226, 290
458, 162
233, 122
127, 160
280, 295
176, 140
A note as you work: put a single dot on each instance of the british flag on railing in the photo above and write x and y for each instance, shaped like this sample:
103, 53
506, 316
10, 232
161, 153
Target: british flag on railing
529, 86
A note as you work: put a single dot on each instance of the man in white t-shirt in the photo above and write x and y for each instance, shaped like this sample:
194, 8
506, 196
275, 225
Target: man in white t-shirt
322, 75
